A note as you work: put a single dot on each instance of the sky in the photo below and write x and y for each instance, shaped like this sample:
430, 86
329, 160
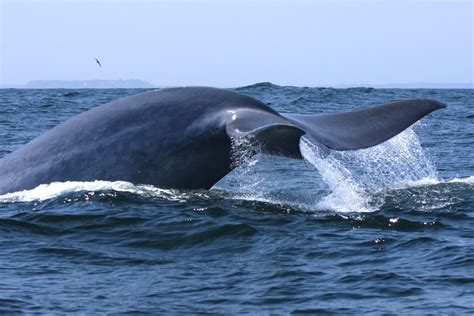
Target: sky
235, 43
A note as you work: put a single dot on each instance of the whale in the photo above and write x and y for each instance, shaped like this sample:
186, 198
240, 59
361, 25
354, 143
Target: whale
184, 138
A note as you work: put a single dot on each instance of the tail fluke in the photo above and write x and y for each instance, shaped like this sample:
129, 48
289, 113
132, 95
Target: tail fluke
364, 128
280, 135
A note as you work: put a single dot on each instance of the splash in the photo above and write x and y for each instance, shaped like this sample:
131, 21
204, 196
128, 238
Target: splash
253, 178
243, 150
346, 194
56, 189
353, 176
245, 154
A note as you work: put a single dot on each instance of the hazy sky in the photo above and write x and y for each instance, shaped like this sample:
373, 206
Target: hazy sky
234, 43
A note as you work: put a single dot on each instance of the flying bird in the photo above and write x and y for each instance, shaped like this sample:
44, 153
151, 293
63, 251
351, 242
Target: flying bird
98, 62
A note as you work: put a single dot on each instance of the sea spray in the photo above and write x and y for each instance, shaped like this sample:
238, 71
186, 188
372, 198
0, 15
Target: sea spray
353, 176
245, 154
257, 177
346, 193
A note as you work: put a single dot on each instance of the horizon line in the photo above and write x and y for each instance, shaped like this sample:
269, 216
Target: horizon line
147, 84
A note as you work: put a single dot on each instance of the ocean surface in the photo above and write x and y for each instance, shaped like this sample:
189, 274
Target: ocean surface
385, 230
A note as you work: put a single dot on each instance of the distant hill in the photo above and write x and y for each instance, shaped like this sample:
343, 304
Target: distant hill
88, 84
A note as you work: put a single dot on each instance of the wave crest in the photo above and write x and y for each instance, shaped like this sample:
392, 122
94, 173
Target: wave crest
56, 189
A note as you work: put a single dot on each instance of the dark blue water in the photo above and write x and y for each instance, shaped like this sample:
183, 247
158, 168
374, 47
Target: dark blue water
383, 230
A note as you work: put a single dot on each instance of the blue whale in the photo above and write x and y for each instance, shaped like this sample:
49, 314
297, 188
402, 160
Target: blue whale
182, 138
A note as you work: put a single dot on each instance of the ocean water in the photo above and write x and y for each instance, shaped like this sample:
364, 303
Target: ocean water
388, 229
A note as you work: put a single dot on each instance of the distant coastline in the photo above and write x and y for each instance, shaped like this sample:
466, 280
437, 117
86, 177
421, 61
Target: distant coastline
83, 84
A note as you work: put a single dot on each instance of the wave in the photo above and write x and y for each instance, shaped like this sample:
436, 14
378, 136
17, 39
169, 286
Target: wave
258, 85
57, 189
347, 198
71, 94
467, 180
432, 181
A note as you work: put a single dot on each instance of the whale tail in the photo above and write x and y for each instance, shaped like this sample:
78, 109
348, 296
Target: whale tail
364, 128
341, 131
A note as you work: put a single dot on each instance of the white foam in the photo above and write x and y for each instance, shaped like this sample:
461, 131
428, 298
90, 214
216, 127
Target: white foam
468, 180
434, 181
56, 189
